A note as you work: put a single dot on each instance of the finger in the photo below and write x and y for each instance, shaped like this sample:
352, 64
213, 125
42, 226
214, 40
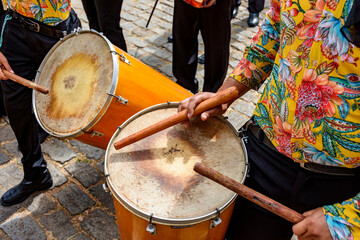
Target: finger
308, 213
196, 100
300, 228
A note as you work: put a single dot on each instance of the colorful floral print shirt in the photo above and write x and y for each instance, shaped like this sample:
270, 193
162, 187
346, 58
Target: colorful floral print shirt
310, 108
50, 12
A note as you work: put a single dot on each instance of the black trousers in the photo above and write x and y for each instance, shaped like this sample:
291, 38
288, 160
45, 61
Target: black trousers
278, 177
104, 16
215, 28
25, 51
256, 6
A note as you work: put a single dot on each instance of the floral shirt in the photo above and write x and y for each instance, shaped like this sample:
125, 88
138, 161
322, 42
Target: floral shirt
50, 12
310, 108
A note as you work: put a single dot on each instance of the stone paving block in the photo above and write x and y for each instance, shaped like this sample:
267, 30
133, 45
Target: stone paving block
7, 133
58, 150
10, 175
20, 228
100, 225
157, 40
59, 225
104, 197
91, 152
244, 107
80, 236
251, 96
237, 119
4, 158
138, 42
167, 69
84, 172
128, 16
100, 166
57, 177
74, 199
13, 150
152, 61
6, 212
39, 205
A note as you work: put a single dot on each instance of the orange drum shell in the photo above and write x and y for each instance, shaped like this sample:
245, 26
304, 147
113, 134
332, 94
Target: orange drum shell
143, 87
134, 227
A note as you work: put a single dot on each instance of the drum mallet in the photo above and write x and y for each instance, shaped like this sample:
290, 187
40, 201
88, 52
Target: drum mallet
24, 82
222, 97
250, 194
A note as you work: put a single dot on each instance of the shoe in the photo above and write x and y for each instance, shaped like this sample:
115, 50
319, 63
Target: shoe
170, 39
253, 19
196, 89
236, 9
201, 59
24, 189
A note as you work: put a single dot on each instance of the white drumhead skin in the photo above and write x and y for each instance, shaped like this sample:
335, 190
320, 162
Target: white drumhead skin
79, 73
155, 175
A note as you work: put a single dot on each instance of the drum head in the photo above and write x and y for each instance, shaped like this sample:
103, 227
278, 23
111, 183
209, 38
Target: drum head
79, 72
155, 175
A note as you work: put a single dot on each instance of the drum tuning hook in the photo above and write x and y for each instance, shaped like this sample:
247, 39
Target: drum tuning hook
216, 221
151, 228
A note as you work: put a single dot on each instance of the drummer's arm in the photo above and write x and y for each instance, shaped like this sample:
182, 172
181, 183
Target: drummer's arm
4, 64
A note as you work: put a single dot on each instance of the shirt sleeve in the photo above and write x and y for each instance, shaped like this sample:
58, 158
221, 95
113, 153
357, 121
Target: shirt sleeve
343, 219
257, 62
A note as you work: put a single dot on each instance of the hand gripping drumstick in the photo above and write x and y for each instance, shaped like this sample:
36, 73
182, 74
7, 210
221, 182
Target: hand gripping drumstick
220, 98
25, 82
248, 193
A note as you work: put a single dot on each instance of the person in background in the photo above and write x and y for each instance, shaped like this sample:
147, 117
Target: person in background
2, 107
254, 8
211, 18
29, 30
303, 142
104, 16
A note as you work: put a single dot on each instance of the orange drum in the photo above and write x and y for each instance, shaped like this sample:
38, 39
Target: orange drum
94, 87
156, 192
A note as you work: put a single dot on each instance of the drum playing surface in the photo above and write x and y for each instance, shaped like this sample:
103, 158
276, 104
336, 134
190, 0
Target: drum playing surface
155, 175
78, 73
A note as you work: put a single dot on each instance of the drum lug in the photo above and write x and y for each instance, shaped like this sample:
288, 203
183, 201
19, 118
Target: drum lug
120, 99
93, 133
105, 187
216, 221
122, 57
151, 228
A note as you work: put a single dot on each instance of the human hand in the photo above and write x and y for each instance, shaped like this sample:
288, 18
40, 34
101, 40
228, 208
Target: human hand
313, 227
191, 103
4, 64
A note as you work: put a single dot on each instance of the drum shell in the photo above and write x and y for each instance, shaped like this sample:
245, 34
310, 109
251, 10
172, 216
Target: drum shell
134, 227
138, 85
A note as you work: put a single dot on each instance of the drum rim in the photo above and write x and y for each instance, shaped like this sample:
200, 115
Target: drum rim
106, 104
160, 220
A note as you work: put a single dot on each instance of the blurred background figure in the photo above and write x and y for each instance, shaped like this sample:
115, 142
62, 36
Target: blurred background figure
254, 7
104, 16
213, 22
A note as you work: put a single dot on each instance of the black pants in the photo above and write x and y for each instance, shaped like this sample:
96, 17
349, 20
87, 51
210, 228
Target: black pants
25, 51
283, 180
104, 16
256, 6
215, 28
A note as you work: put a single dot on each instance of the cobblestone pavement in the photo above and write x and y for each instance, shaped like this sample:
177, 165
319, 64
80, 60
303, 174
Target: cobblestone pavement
76, 207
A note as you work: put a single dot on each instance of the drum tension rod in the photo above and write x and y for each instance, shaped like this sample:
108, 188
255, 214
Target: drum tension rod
151, 228
93, 133
119, 99
122, 57
216, 221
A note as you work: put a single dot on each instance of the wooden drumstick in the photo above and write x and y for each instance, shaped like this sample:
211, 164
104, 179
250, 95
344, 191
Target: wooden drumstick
250, 194
24, 82
220, 98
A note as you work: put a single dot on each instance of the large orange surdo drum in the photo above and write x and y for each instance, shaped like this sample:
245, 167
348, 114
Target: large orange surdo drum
94, 87
156, 192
